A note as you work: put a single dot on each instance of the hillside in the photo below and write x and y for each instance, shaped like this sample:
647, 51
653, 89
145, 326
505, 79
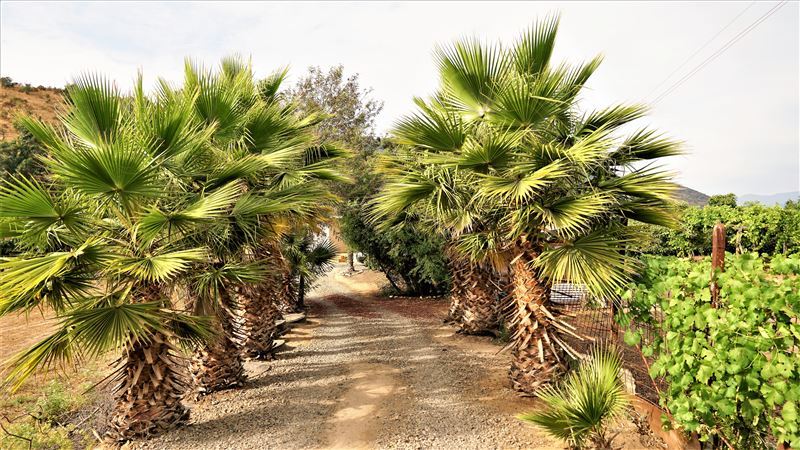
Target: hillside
690, 196
39, 101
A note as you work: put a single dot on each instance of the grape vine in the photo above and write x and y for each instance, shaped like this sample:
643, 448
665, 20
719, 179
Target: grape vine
733, 371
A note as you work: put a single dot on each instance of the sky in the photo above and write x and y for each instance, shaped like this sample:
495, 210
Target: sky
739, 115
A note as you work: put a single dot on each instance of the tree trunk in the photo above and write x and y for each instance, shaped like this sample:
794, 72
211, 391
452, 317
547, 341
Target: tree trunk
152, 383
480, 308
261, 313
457, 290
538, 354
219, 365
351, 261
287, 294
301, 293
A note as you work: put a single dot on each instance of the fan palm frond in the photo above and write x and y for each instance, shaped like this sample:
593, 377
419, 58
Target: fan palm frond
581, 408
532, 51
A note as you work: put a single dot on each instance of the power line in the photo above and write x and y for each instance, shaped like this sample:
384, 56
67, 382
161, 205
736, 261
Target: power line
720, 51
701, 48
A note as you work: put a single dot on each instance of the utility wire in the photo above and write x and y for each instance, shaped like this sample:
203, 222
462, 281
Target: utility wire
699, 49
719, 52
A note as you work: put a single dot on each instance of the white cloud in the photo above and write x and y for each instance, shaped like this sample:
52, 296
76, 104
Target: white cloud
740, 115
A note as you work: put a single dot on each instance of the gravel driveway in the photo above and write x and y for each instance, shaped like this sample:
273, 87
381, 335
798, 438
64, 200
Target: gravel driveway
366, 372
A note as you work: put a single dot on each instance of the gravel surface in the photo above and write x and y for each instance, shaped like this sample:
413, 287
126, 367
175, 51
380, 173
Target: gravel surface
366, 372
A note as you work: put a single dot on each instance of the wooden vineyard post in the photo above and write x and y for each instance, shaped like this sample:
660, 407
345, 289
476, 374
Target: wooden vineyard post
717, 260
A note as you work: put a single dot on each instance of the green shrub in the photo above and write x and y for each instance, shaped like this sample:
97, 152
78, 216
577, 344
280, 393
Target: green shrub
732, 372
55, 402
723, 200
411, 257
749, 228
32, 435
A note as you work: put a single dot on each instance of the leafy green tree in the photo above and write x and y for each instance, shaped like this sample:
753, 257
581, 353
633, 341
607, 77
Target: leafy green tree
411, 257
723, 200
349, 118
348, 109
518, 176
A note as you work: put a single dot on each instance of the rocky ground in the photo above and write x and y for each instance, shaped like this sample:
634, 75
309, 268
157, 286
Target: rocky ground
367, 372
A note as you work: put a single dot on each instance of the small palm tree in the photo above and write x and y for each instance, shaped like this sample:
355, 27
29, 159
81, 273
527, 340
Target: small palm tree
580, 409
308, 259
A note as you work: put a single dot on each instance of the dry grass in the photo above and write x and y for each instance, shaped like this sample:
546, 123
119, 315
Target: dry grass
86, 407
44, 103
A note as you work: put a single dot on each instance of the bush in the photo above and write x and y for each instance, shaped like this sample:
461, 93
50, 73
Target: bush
48, 424
732, 372
723, 200
55, 402
412, 258
7, 82
749, 228
20, 156
32, 435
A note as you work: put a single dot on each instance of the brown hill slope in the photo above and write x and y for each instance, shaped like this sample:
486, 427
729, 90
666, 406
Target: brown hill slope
41, 102
690, 196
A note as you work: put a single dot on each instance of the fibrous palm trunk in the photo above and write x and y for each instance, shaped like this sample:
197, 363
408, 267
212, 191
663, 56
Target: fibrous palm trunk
152, 383
480, 307
457, 290
218, 365
538, 350
287, 291
261, 313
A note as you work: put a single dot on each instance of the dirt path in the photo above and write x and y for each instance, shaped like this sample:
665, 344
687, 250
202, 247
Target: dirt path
367, 372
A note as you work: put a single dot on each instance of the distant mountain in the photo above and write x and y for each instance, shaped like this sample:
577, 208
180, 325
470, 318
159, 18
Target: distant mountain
772, 199
690, 196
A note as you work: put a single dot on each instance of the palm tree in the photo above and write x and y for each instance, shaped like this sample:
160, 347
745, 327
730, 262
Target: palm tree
580, 409
308, 259
505, 162
261, 140
438, 196
108, 242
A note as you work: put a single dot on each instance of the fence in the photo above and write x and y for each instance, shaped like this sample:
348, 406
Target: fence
593, 319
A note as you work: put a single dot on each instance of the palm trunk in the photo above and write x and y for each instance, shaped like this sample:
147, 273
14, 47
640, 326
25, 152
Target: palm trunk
457, 291
287, 293
538, 354
219, 365
480, 308
301, 293
260, 316
152, 384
